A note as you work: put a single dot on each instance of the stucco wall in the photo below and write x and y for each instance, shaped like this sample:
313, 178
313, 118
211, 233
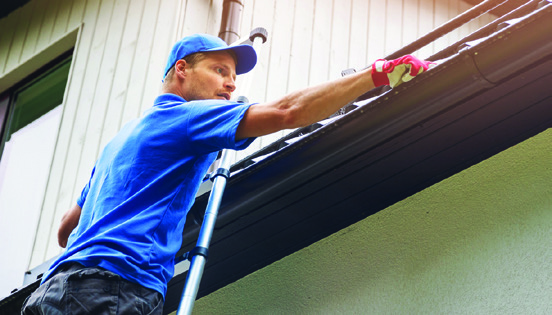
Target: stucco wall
476, 243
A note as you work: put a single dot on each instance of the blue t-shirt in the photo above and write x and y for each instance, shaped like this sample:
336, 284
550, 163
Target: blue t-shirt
143, 184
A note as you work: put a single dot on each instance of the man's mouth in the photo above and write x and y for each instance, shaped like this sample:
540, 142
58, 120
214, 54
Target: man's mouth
226, 96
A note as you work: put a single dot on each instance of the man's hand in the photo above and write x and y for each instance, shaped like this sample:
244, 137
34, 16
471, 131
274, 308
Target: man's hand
69, 221
395, 72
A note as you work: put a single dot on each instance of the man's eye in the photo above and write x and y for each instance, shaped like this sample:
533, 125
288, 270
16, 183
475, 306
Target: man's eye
219, 70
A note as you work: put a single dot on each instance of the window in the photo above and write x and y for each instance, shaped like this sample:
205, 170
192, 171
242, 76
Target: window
29, 135
35, 99
30, 116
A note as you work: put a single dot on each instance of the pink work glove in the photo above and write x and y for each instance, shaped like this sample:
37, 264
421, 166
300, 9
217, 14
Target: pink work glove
395, 72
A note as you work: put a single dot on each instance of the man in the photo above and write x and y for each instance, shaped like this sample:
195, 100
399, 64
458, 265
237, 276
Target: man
124, 231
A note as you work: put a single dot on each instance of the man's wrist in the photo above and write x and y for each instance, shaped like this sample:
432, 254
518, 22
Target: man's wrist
378, 75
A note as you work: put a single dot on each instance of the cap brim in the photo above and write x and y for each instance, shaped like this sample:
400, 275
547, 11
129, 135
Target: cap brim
245, 54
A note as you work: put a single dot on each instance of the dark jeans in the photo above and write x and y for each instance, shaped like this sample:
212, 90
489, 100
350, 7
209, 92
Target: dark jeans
79, 290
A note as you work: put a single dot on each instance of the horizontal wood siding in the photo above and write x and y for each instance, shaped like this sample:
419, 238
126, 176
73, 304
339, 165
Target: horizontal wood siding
121, 53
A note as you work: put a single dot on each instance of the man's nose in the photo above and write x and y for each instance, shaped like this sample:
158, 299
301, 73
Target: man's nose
231, 85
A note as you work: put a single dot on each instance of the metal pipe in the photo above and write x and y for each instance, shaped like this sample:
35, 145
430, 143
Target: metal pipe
449, 26
486, 30
230, 24
446, 28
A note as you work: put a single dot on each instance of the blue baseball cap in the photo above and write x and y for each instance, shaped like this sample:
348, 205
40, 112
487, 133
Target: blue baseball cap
245, 54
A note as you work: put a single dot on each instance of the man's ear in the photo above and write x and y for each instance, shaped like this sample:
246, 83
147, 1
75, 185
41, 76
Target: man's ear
181, 68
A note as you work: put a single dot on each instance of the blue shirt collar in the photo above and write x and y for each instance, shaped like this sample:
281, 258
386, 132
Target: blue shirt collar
167, 98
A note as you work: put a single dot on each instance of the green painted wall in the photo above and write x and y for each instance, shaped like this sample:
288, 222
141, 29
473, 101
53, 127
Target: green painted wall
479, 242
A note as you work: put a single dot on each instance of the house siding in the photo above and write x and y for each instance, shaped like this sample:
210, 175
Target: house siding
120, 50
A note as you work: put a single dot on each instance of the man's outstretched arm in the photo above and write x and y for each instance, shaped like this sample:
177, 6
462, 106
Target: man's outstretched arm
69, 222
307, 106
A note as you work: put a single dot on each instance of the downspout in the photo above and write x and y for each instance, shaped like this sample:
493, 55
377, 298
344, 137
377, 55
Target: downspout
229, 26
231, 16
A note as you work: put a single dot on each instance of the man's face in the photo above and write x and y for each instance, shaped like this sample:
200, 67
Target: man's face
211, 78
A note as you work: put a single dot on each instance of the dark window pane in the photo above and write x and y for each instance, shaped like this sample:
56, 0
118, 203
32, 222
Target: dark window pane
39, 97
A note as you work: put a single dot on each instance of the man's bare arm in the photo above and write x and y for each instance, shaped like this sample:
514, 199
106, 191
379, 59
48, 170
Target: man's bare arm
304, 107
313, 104
69, 222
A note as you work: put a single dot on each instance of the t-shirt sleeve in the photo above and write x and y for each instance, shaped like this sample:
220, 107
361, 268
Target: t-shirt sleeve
212, 125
